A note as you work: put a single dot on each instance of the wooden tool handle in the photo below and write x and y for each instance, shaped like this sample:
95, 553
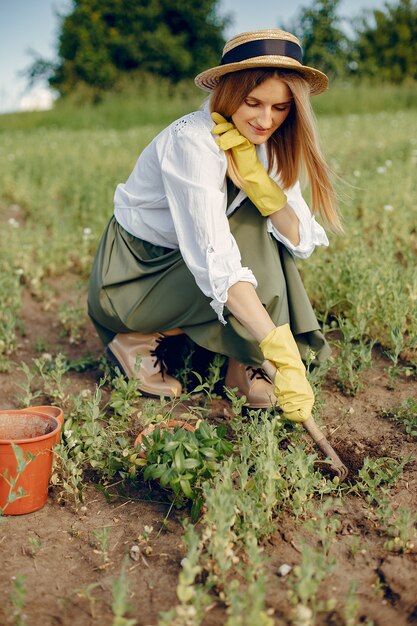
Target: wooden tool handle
314, 431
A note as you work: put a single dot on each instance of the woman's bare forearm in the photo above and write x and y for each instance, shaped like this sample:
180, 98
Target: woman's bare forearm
243, 302
287, 223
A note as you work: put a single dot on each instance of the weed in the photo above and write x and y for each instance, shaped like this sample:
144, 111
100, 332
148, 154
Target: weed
191, 594
214, 376
316, 563
86, 593
27, 396
397, 342
355, 355
351, 607
124, 395
376, 473
405, 415
35, 544
246, 602
402, 531
18, 599
102, 536
120, 595
72, 320
52, 372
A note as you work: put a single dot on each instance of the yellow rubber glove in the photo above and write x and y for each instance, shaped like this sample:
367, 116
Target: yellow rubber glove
264, 192
292, 389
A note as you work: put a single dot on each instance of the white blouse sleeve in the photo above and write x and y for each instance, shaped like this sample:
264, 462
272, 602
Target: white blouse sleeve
193, 173
310, 232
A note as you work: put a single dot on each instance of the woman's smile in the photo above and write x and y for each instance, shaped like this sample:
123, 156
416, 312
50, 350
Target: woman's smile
264, 109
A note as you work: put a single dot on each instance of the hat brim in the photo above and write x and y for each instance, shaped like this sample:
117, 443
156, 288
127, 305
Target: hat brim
209, 79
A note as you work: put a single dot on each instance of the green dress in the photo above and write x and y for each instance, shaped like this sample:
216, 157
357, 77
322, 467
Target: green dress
138, 286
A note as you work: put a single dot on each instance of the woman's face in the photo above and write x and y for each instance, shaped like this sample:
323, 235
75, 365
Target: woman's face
263, 111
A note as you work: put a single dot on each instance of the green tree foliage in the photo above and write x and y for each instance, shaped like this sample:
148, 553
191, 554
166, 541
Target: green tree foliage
102, 39
325, 45
386, 44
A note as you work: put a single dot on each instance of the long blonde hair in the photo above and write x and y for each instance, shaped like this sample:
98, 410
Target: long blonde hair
293, 150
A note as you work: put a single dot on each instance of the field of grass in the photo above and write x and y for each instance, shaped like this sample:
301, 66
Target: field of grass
59, 171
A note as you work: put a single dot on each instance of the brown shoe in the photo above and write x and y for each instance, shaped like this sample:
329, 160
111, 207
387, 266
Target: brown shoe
125, 348
251, 382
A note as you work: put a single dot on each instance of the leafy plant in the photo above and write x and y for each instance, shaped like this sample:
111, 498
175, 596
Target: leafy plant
181, 460
376, 473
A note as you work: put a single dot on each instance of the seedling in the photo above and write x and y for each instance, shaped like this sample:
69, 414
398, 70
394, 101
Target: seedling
18, 598
102, 536
86, 593
120, 595
405, 415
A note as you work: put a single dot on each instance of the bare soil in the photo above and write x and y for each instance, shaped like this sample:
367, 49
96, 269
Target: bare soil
56, 552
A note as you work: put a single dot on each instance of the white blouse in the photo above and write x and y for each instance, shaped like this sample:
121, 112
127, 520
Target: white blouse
176, 197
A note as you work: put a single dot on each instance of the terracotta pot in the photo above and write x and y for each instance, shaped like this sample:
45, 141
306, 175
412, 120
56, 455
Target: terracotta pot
35, 430
170, 424
54, 411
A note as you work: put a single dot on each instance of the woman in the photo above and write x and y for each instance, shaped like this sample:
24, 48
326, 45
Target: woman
206, 227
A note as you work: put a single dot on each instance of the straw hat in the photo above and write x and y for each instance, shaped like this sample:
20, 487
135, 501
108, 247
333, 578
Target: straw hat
262, 48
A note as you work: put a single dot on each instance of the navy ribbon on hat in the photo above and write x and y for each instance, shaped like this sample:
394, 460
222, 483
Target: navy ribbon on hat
263, 47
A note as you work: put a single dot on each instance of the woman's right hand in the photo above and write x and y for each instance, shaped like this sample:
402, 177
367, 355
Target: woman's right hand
264, 192
292, 389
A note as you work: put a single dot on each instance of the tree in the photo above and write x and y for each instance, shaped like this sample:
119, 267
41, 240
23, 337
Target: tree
102, 39
325, 45
386, 43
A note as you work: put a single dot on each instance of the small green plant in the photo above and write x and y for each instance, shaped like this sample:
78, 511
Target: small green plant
355, 355
214, 376
181, 460
405, 415
35, 545
193, 597
376, 473
72, 320
120, 595
18, 598
22, 461
86, 593
402, 531
316, 563
102, 536
124, 396
351, 607
27, 396
52, 372
397, 342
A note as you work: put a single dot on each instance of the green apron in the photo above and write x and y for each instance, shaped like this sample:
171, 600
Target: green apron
138, 286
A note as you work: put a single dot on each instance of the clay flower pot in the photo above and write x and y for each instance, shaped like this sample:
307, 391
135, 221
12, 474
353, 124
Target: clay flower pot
35, 431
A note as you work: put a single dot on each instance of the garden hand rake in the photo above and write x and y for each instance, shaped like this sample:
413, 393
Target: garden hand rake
336, 465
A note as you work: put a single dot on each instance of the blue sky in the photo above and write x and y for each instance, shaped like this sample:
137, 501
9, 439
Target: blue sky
33, 25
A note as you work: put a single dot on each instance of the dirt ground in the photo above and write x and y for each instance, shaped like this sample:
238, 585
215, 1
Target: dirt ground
67, 582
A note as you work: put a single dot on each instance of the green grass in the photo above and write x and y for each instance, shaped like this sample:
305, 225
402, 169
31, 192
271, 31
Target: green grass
57, 184
149, 102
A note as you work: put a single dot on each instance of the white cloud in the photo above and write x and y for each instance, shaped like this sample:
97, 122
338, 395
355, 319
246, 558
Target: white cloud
39, 99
